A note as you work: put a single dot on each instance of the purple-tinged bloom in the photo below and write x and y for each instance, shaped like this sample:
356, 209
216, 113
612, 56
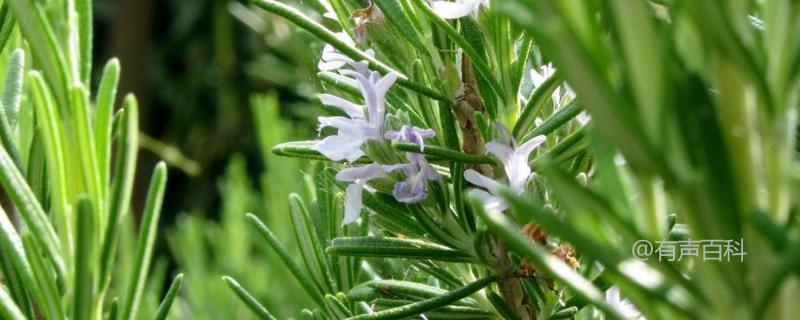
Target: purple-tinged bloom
418, 170
583, 118
411, 134
361, 126
359, 176
333, 60
515, 164
456, 9
515, 160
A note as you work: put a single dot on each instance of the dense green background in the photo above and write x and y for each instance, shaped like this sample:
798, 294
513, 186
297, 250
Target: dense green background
196, 68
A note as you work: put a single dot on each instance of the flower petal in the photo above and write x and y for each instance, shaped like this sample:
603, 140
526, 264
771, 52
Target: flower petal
583, 118
526, 148
412, 190
429, 172
352, 203
351, 109
340, 147
489, 201
363, 173
501, 151
480, 180
454, 10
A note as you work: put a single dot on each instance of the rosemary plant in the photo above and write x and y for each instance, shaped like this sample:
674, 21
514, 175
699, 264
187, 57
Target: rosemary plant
66, 194
506, 159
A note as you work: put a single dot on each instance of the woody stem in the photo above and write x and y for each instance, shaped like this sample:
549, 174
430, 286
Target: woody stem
472, 143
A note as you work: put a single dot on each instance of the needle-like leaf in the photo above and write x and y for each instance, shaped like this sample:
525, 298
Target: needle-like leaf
248, 299
147, 237
169, 298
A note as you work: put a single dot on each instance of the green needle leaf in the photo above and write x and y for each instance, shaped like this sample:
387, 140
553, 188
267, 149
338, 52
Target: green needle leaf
122, 187
147, 237
83, 290
429, 304
309, 244
397, 289
7, 24
10, 107
556, 120
12, 92
84, 12
535, 103
442, 153
301, 276
11, 244
395, 248
52, 133
44, 276
169, 298
47, 54
104, 115
8, 309
83, 131
30, 210
302, 149
13, 282
248, 299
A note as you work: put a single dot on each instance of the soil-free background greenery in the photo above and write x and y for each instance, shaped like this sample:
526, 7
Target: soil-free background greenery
194, 66
707, 127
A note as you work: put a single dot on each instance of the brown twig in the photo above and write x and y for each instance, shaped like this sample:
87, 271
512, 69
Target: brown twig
472, 142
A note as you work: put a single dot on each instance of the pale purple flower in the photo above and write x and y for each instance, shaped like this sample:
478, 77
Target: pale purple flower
623, 306
418, 171
411, 134
583, 118
515, 164
456, 9
361, 126
413, 188
333, 60
515, 159
359, 176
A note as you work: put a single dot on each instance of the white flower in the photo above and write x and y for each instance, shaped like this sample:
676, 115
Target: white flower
456, 9
332, 60
515, 163
361, 126
583, 118
359, 176
623, 306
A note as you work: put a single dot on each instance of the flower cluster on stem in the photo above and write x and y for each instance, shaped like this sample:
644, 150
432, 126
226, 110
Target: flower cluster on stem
364, 122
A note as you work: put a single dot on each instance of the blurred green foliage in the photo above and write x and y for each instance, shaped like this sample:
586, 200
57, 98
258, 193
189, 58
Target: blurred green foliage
206, 248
